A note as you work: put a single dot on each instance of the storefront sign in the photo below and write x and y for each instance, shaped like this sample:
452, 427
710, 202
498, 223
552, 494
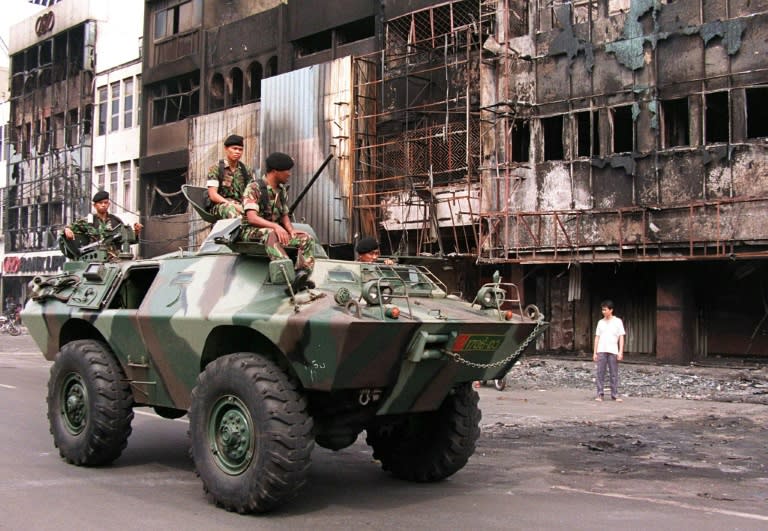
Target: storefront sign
29, 265
44, 24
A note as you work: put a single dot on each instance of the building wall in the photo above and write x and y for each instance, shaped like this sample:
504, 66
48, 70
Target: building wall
54, 73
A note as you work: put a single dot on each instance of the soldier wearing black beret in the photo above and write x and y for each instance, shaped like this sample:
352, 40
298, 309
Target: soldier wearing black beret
99, 224
267, 220
227, 180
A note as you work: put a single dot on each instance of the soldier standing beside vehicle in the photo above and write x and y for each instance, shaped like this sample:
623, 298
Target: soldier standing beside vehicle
266, 218
609, 350
99, 224
227, 181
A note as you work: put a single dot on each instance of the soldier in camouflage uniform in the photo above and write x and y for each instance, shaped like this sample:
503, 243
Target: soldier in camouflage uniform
266, 219
99, 224
227, 180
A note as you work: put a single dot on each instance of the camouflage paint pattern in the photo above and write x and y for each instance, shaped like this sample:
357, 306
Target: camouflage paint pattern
166, 318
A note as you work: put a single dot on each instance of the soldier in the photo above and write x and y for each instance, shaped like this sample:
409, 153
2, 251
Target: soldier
368, 251
99, 224
227, 181
266, 218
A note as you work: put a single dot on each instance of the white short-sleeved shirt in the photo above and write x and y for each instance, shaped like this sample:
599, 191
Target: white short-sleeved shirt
608, 333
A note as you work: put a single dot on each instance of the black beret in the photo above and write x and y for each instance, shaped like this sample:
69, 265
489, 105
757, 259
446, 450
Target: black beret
233, 140
279, 161
366, 245
101, 195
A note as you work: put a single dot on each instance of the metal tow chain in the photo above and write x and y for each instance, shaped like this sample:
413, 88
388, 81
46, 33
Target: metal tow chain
512, 357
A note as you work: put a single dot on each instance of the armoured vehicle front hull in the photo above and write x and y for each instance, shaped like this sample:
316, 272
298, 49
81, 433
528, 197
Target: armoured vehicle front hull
368, 346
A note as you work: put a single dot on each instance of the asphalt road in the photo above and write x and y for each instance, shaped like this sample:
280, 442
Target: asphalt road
545, 460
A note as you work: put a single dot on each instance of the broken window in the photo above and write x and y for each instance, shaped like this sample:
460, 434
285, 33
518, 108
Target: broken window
757, 110
175, 99
172, 19
217, 92
676, 118
271, 69
255, 74
587, 134
584, 11
313, 43
552, 128
236, 80
356, 31
423, 28
71, 138
717, 120
521, 141
58, 131
623, 128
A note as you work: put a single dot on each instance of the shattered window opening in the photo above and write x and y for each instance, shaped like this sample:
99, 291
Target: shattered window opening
623, 129
176, 99
587, 134
236, 84
521, 141
717, 117
552, 129
676, 122
255, 75
757, 110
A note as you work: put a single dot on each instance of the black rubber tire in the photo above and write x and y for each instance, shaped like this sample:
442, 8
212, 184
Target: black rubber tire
426, 447
251, 434
13, 329
500, 384
90, 404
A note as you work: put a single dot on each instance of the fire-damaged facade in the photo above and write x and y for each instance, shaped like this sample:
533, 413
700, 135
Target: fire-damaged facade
593, 150
73, 73
588, 149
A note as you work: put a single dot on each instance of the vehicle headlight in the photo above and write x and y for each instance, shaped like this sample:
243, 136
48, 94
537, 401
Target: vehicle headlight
375, 293
490, 296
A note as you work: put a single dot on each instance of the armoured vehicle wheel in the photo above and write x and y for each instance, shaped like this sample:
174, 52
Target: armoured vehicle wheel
89, 404
431, 446
251, 433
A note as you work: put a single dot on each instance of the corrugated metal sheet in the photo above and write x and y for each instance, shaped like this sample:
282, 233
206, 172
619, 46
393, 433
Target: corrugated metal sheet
307, 113
208, 132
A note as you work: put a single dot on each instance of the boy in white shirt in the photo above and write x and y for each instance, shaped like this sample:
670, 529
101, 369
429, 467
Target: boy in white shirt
608, 350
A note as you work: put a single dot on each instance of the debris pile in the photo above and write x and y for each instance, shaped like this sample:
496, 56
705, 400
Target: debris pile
652, 381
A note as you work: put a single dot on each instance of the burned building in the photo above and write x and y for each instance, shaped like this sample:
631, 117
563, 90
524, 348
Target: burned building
597, 149
587, 149
57, 59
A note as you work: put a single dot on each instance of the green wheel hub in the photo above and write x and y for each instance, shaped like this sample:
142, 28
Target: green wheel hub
74, 404
230, 431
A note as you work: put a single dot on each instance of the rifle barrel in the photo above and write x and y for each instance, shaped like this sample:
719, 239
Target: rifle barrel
310, 183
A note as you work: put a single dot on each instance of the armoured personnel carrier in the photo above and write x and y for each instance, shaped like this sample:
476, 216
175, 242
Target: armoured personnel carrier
264, 374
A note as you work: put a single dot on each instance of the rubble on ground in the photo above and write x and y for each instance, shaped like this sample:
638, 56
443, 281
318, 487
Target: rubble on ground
749, 384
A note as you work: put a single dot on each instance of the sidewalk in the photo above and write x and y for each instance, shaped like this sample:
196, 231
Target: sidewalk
541, 407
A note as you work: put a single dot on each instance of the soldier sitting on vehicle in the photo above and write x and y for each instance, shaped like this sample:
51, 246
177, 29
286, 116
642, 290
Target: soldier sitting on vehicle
266, 219
227, 181
98, 225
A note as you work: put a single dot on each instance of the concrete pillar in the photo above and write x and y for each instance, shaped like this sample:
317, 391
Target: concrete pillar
675, 316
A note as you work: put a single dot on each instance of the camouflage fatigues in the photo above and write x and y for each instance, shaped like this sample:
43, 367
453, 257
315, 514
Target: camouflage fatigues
230, 185
278, 207
95, 229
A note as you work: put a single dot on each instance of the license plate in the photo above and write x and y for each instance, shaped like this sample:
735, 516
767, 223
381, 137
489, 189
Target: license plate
477, 343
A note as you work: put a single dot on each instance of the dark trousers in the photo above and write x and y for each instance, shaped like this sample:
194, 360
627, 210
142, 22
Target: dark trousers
606, 359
